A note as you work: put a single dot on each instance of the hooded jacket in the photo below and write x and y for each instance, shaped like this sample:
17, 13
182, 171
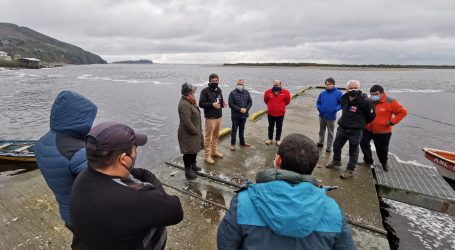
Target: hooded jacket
329, 103
284, 210
388, 110
60, 153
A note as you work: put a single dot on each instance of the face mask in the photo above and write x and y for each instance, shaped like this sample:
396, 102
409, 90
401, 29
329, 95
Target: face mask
132, 163
353, 92
213, 85
239, 87
276, 89
375, 98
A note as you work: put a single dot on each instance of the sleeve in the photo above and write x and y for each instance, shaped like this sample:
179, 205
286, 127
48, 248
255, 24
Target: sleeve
287, 100
318, 103
156, 209
398, 111
232, 104
147, 176
249, 102
185, 119
344, 240
340, 95
266, 97
369, 109
229, 232
221, 98
78, 162
204, 101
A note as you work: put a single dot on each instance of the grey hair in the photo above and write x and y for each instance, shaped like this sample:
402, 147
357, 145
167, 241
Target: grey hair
187, 88
354, 81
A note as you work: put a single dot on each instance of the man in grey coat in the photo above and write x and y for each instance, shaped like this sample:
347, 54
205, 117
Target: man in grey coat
190, 130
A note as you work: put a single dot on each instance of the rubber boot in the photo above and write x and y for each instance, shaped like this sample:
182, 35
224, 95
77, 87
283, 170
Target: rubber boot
189, 173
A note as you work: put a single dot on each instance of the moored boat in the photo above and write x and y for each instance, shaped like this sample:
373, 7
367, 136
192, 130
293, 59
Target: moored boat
444, 161
20, 151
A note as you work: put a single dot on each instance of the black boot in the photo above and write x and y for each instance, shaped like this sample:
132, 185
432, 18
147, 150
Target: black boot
189, 174
385, 167
195, 168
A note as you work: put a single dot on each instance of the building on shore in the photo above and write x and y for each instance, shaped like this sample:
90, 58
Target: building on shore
32, 63
4, 56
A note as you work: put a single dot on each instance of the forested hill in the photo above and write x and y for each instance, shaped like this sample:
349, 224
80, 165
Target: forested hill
29, 43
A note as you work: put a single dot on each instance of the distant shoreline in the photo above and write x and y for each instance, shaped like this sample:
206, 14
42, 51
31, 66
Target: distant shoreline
317, 65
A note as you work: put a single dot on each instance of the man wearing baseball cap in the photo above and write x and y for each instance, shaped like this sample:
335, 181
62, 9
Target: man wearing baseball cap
113, 204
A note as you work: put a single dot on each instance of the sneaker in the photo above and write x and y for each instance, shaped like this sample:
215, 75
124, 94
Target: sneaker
364, 164
209, 160
232, 147
333, 164
320, 145
217, 154
347, 174
328, 150
245, 145
268, 142
385, 167
278, 143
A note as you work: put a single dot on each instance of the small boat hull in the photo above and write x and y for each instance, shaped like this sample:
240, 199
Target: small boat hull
443, 160
17, 151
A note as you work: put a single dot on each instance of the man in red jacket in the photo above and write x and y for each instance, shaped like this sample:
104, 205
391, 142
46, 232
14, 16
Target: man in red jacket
276, 100
389, 112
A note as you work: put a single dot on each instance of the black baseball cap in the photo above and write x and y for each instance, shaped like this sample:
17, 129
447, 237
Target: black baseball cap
112, 136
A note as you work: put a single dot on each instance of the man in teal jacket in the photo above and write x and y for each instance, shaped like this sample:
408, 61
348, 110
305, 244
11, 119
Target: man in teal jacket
60, 153
286, 208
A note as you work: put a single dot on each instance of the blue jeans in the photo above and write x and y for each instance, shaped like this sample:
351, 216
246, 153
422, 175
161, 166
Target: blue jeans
238, 123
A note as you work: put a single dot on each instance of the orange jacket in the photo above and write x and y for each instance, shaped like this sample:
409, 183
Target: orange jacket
387, 110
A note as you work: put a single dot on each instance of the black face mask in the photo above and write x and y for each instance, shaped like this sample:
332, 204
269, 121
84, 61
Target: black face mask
353, 92
213, 85
276, 89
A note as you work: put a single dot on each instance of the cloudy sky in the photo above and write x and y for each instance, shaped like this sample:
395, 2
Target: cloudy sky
218, 31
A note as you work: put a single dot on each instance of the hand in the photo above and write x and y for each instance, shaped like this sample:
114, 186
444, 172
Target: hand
243, 110
225, 104
216, 105
390, 124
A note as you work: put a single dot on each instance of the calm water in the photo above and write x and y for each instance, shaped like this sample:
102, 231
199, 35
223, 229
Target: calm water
146, 96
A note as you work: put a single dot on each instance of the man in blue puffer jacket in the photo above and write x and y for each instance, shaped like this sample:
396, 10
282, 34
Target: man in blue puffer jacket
60, 153
286, 208
328, 104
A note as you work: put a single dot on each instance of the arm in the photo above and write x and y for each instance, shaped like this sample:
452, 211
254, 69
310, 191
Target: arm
338, 107
232, 105
78, 162
369, 111
249, 102
398, 111
204, 101
185, 119
147, 176
344, 241
318, 103
229, 232
287, 99
266, 97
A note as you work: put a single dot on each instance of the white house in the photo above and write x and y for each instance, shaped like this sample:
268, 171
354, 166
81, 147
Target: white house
4, 56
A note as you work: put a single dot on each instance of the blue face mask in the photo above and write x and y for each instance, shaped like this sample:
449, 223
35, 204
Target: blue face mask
276, 89
375, 98
239, 88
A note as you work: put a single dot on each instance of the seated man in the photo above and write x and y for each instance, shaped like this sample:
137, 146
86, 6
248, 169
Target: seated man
286, 208
113, 204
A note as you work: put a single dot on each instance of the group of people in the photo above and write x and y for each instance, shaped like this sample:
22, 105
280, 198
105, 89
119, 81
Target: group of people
362, 119
190, 133
108, 203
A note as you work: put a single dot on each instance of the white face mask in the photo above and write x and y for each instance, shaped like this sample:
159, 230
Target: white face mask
239, 87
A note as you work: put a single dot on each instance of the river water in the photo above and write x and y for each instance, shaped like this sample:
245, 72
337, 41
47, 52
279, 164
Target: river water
146, 97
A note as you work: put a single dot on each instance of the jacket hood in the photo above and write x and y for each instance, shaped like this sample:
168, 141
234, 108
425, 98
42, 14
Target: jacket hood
72, 114
290, 208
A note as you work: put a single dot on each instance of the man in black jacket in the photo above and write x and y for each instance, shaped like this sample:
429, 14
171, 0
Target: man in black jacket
240, 103
357, 110
114, 205
212, 102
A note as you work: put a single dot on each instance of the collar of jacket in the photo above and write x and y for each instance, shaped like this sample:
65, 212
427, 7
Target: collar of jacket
284, 175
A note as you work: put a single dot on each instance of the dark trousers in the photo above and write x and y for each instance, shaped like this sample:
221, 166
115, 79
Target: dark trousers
238, 123
344, 135
279, 126
189, 160
381, 143
77, 243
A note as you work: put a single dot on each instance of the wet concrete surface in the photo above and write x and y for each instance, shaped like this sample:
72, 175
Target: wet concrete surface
29, 217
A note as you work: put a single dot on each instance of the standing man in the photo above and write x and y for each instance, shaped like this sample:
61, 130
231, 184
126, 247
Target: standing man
286, 208
389, 112
328, 104
212, 102
240, 103
357, 110
60, 153
276, 100
113, 204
